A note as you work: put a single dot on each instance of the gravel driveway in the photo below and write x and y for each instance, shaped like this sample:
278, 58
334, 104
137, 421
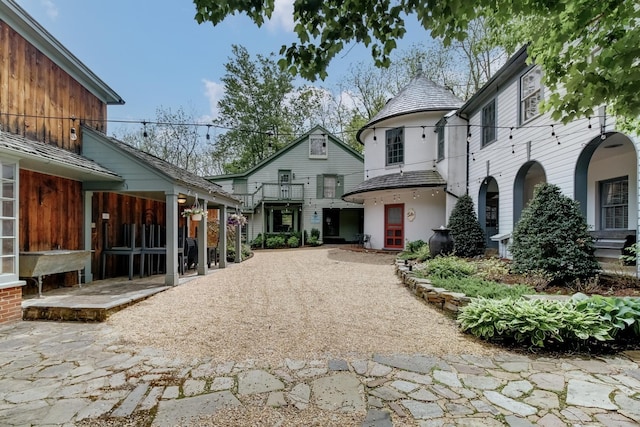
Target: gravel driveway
300, 304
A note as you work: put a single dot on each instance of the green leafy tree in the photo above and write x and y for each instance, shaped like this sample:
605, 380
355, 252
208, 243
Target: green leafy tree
553, 236
588, 47
468, 237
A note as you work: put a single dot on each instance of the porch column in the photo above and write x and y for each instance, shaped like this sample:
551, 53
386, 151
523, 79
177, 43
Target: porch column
171, 278
202, 243
222, 240
87, 229
238, 243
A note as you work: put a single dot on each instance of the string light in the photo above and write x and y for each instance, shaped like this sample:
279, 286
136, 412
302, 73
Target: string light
511, 133
74, 135
375, 138
423, 134
553, 131
144, 132
208, 136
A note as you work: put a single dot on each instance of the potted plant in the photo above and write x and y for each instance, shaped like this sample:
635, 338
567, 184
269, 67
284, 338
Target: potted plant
196, 213
236, 219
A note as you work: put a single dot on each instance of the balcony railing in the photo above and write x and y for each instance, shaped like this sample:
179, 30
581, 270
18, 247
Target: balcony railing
273, 193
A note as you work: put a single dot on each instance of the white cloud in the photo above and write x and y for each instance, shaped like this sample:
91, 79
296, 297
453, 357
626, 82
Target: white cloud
214, 92
52, 10
282, 17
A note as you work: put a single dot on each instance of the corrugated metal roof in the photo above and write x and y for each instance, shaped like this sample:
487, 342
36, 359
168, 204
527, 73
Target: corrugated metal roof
423, 178
48, 158
420, 94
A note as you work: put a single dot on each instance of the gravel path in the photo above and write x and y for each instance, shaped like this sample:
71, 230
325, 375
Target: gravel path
300, 304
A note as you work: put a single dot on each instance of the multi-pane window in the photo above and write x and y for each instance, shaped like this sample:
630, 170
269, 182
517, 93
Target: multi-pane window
8, 218
489, 123
440, 134
329, 187
615, 203
318, 146
395, 146
530, 94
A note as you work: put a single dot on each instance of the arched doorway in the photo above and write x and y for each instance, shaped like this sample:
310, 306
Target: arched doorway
488, 210
529, 175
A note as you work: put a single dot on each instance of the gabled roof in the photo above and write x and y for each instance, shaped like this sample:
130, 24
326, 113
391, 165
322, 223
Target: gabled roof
410, 179
513, 65
161, 167
419, 95
49, 159
286, 149
34, 33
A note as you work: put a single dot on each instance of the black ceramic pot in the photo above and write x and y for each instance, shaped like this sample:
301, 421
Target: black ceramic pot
441, 243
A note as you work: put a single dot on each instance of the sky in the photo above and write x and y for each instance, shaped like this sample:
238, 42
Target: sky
154, 54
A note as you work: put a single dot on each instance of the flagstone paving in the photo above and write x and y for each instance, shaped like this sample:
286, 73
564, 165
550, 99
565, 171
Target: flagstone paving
70, 374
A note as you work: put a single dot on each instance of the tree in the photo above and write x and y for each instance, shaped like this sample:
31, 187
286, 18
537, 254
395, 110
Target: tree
553, 237
261, 109
468, 237
174, 137
590, 48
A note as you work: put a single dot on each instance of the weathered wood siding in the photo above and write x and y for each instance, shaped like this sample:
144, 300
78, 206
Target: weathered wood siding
37, 98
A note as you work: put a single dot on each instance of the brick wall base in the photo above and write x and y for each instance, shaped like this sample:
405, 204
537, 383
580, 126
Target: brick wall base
10, 304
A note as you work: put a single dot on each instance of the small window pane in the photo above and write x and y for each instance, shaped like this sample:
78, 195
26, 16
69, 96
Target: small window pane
8, 265
7, 246
7, 228
9, 171
7, 190
7, 208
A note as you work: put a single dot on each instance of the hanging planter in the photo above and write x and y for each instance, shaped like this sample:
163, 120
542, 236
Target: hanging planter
196, 217
195, 212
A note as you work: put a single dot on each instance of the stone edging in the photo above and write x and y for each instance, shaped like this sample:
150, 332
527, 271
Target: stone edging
422, 288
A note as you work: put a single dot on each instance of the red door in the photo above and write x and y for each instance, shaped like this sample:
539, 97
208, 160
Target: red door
394, 226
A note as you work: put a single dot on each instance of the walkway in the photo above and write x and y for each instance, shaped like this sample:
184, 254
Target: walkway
85, 374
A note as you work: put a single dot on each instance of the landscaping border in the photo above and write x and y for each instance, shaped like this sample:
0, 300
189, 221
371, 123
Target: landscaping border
423, 288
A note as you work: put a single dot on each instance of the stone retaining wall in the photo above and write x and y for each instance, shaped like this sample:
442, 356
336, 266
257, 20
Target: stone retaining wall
422, 288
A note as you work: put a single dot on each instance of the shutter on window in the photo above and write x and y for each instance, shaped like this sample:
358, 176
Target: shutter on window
339, 188
320, 187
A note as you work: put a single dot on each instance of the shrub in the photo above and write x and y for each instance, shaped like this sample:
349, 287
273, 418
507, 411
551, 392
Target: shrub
476, 287
553, 236
313, 241
492, 269
293, 242
275, 242
415, 246
449, 266
257, 242
315, 233
468, 236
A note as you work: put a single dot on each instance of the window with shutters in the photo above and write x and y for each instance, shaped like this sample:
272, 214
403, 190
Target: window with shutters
330, 186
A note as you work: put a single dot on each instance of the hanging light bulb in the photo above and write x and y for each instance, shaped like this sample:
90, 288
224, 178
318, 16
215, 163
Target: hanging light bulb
375, 138
208, 136
144, 131
423, 134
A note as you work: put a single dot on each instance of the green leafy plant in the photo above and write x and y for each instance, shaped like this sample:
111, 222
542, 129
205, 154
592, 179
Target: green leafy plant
414, 246
275, 242
313, 241
293, 242
477, 287
448, 266
257, 242
621, 313
417, 250
467, 233
315, 233
492, 269
553, 236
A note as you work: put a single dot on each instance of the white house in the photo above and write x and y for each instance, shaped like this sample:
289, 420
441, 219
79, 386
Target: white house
513, 146
299, 188
415, 165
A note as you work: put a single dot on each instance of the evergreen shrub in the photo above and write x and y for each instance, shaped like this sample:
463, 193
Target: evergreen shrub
468, 236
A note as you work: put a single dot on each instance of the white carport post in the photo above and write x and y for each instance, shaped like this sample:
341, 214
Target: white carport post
222, 239
202, 243
238, 243
171, 278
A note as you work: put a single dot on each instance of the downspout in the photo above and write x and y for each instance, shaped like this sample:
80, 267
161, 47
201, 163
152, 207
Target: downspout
468, 140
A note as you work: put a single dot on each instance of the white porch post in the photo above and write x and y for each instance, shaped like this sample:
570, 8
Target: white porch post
87, 196
202, 243
222, 240
238, 243
171, 278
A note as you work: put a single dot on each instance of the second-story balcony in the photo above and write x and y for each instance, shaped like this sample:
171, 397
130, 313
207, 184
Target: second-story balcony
272, 192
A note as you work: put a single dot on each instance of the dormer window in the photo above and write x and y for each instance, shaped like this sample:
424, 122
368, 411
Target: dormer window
530, 94
318, 146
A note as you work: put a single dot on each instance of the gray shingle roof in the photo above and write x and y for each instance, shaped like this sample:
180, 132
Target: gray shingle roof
46, 153
411, 179
172, 171
420, 94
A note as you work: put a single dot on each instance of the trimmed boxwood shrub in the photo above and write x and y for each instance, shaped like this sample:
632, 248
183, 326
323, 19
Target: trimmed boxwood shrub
468, 236
293, 242
553, 236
